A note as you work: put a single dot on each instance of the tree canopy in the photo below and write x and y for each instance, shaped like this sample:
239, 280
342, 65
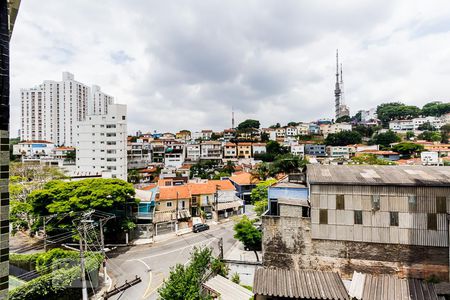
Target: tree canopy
431, 136
406, 149
386, 138
427, 126
343, 138
343, 119
370, 159
273, 149
435, 108
259, 195
248, 234
396, 111
184, 282
248, 124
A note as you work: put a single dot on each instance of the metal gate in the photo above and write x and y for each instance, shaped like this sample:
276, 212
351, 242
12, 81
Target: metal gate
144, 231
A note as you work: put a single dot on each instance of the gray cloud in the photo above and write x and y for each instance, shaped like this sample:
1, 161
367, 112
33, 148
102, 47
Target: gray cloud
184, 64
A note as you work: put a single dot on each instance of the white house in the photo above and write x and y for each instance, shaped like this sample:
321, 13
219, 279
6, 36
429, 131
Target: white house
338, 151
429, 158
291, 131
298, 150
303, 129
193, 152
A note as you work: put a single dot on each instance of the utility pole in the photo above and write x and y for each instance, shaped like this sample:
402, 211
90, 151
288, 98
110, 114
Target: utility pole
216, 200
45, 236
83, 275
221, 247
102, 240
176, 215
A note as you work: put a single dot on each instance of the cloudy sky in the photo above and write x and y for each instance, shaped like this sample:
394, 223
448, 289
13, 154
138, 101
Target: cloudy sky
184, 64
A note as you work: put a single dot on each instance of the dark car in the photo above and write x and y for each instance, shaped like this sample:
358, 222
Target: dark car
200, 227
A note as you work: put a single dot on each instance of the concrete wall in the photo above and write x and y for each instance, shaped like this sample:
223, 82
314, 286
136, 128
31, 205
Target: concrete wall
287, 243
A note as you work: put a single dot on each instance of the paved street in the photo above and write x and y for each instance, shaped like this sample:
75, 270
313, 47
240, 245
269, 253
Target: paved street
152, 262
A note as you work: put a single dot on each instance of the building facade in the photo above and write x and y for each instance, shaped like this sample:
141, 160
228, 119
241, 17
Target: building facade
102, 143
51, 110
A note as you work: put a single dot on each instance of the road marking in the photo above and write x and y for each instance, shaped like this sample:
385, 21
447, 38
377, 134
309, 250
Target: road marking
156, 288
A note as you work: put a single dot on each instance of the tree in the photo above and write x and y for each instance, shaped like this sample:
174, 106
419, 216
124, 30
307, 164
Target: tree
248, 124
386, 138
427, 126
66, 198
24, 179
259, 193
343, 119
365, 131
431, 136
292, 124
357, 117
278, 125
273, 148
395, 110
248, 234
184, 282
445, 132
410, 135
134, 176
435, 108
343, 138
262, 171
371, 159
406, 149
71, 155
287, 163
264, 137
235, 278
204, 169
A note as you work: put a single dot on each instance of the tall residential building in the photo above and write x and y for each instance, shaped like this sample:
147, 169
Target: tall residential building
51, 110
102, 144
8, 13
341, 109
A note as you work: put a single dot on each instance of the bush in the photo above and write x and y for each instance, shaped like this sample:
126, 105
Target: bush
24, 261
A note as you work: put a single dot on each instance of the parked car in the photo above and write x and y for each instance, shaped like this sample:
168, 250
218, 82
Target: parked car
200, 227
208, 215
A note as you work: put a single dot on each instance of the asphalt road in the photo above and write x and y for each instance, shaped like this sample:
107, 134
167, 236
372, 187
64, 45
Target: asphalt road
153, 262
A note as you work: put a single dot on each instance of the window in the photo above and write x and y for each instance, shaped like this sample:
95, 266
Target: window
412, 203
393, 216
441, 205
340, 202
323, 216
375, 202
431, 222
358, 217
123, 117
169, 204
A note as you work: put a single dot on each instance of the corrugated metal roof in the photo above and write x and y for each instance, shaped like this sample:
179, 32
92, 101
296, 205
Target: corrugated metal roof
227, 289
383, 287
378, 175
302, 284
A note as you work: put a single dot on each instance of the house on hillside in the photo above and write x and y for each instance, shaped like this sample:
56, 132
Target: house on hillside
244, 183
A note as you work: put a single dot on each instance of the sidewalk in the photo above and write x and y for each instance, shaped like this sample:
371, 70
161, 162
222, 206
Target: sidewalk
237, 252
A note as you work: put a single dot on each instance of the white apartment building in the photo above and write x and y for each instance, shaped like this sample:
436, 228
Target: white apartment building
193, 152
338, 151
51, 110
139, 154
414, 124
99, 101
33, 149
174, 156
368, 115
211, 150
102, 144
280, 132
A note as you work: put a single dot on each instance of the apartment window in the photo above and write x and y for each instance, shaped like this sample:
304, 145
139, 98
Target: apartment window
169, 204
123, 117
110, 134
393, 216
375, 202
340, 202
358, 217
412, 203
441, 205
431, 222
323, 216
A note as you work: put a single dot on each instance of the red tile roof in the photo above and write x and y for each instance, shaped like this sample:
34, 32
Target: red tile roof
224, 185
244, 178
201, 188
174, 192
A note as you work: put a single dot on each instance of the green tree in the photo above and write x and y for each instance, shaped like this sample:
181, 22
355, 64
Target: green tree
357, 117
248, 234
292, 124
435, 108
71, 155
24, 179
445, 133
431, 136
343, 119
134, 176
395, 110
410, 135
287, 163
278, 125
386, 138
366, 131
406, 149
204, 169
248, 124
66, 198
273, 149
262, 171
235, 278
259, 193
343, 138
184, 282
264, 137
370, 159
427, 126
